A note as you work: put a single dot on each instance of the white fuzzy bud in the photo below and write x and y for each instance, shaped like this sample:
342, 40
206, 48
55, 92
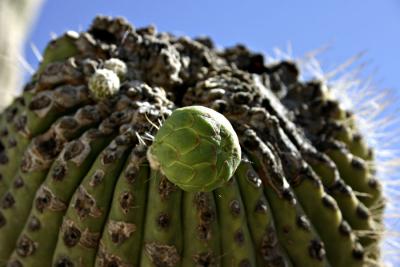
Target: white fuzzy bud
117, 66
104, 83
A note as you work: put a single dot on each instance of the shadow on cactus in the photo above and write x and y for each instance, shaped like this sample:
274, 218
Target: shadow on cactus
135, 148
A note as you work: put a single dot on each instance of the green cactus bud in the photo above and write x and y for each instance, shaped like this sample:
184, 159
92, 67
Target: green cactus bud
196, 148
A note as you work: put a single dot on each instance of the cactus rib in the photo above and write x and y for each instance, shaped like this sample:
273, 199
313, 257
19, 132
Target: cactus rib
87, 212
294, 230
162, 240
260, 219
121, 240
236, 241
53, 195
34, 167
201, 231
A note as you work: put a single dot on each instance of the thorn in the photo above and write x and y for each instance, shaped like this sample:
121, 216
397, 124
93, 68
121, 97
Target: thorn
36, 52
159, 122
124, 37
152, 123
345, 65
141, 141
149, 136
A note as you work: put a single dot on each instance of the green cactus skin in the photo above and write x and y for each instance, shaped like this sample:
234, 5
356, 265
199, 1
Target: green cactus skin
10, 210
353, 140
39, 114
35, 164
334, 123
14, 153
7, 116
321, 208
196, 148
236, 242
53, 197
106, 128
203, 93
369, 195
326, 220
343, 128
45, 107
88, 209
358, 147
163, 240
10, 153
272, 105
275, 135
201, 231
366, 224
120, 244
294, 230
336, 134
269, 252
350, 167
352, 209
60, 49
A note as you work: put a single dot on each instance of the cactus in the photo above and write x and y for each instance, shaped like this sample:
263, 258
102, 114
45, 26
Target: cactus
132, 148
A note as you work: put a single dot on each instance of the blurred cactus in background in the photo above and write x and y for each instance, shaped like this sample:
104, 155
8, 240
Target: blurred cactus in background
16, 17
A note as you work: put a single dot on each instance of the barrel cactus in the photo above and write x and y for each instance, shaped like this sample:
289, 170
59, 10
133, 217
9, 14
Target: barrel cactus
130, 147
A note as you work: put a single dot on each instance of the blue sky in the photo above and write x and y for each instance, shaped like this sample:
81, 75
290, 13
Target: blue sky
347, 26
